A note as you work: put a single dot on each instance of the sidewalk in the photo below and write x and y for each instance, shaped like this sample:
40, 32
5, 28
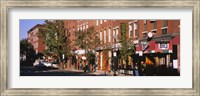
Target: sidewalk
97, 72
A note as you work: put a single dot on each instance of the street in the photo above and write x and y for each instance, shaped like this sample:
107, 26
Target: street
29, 71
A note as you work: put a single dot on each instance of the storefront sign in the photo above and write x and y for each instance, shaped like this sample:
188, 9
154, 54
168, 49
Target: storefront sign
144, 45
163, 46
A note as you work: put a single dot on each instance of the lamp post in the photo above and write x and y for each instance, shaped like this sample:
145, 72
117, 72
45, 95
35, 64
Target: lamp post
115, 56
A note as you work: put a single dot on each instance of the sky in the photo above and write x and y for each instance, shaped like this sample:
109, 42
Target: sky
27, 24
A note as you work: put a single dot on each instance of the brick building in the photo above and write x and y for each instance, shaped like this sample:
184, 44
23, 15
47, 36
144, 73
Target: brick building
33, 38
163, 48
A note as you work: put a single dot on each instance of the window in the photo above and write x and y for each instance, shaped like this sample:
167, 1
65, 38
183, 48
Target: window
154, 25
84, 26
154, 31
130, 30
144, 34
97, 22
105, 36
101, 36
81, 28
109, 35
145, 27
87, 25
135, 29
117, 31
114, 32
164, 31
101, 21
165, 23
145, 21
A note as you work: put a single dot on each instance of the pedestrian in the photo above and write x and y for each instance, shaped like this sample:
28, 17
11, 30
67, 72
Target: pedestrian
81, 65
136, 71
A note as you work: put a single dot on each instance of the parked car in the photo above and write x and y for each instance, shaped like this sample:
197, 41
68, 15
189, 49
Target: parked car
55, 65
46, 63
40, 65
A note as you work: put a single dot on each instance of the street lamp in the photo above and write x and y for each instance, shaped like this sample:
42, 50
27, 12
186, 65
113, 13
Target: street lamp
115, 56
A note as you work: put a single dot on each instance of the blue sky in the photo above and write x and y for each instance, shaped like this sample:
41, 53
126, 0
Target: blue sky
27, 24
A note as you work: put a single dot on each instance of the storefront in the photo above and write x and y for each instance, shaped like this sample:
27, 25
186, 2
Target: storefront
160, 51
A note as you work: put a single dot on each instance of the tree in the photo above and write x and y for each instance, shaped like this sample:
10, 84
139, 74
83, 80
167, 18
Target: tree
53, 35
27, 53
88, 40
127, 45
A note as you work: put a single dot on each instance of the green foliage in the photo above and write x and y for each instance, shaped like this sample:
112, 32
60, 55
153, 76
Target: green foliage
87, 40
27, 49
127, 45
53, 35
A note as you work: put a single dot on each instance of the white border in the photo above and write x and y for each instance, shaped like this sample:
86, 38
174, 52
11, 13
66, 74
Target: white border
183, 81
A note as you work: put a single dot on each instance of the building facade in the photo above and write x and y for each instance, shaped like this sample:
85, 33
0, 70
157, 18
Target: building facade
156, 41
33, 38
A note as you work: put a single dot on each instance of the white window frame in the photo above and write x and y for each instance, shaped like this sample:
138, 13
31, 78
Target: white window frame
101, 36
130, 27
105, 35
135, 27
109, 35
101, 21
97, 22
114, 32
86, 25
145, 21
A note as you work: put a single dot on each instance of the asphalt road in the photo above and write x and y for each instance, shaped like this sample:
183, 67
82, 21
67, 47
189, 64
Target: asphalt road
29, 71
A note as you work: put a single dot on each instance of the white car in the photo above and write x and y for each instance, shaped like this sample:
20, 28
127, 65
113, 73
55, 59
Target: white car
46, 63
42, 64
55, 65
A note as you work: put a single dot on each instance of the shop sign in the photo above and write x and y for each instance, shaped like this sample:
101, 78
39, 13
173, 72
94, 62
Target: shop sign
163, 46
144, 45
